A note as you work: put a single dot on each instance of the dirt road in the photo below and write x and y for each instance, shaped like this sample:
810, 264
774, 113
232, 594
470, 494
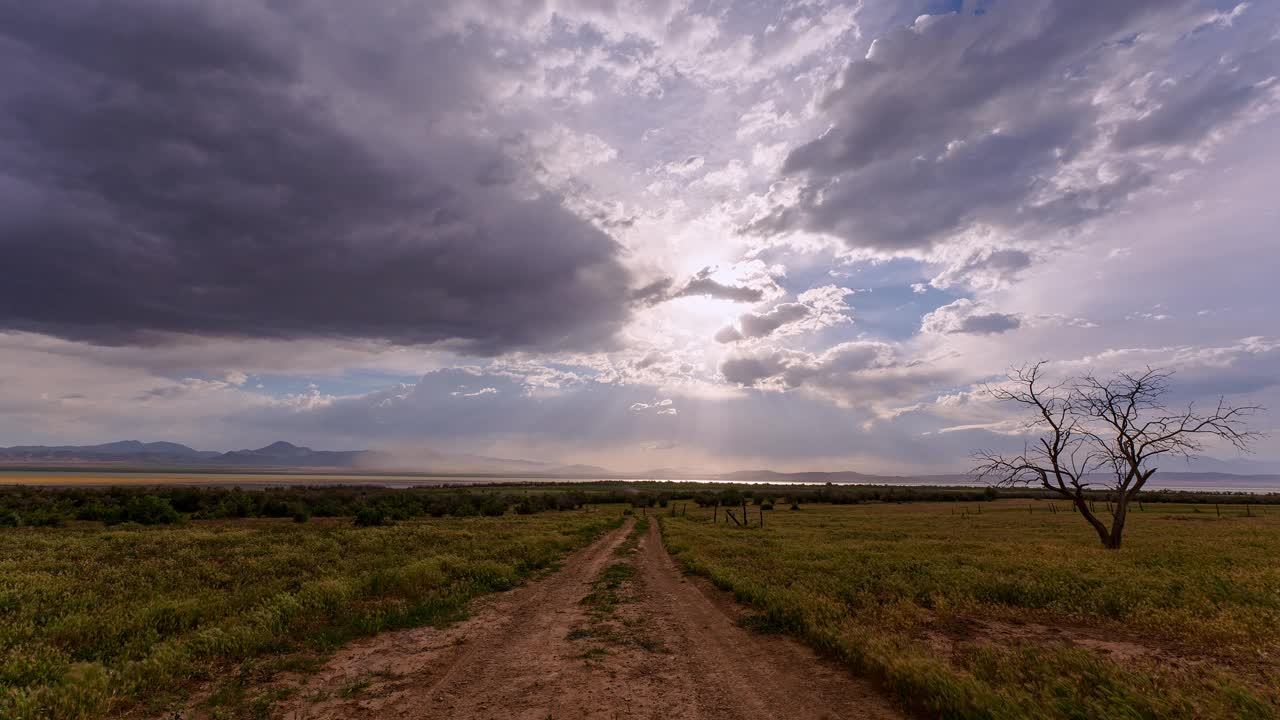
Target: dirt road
619, 632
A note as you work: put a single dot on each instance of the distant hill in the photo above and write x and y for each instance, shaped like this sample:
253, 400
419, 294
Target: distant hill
286, 455
770, 476
579, 470
133, 452
1237, 466
281, 454
124, 451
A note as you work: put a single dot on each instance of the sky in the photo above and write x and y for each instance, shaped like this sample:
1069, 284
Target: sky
706, 234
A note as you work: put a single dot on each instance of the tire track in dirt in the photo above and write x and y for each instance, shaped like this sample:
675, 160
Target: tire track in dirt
669, 648
418, 673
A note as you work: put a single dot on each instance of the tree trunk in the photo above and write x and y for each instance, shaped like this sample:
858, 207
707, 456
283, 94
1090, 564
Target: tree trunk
1117, 522
1083, 506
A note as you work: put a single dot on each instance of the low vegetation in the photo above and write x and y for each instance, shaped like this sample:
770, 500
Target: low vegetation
965, 602
372, 505
96, 619
44, 506
1010, 610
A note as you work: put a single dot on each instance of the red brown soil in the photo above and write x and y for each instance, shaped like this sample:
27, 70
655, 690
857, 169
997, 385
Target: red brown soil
957, 633
670, 648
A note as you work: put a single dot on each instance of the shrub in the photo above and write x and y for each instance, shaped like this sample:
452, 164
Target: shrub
44, 518
370, 516
147, 510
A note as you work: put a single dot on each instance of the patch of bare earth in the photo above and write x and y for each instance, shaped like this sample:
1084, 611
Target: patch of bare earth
957, 633
619, 632
952, 636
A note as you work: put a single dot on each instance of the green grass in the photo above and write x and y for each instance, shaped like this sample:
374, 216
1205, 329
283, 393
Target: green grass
969, 615
94, 621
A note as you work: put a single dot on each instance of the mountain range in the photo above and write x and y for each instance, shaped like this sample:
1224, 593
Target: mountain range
285, 455
133, 452
280, 454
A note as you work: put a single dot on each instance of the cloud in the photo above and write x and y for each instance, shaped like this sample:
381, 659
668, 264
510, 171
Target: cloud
749, 369
688, 166
657, 407
763, 118
752, 325
1186, 110
185, 168
983, 268
703, 284
476, 393
860, 373
1242, 367
816, 308
1025, 117
967, 317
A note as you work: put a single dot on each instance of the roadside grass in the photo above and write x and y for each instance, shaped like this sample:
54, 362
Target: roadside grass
97, 622
1012, 611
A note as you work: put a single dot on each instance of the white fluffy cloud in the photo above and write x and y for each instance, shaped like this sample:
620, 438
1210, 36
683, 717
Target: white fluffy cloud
814, 309
966, 316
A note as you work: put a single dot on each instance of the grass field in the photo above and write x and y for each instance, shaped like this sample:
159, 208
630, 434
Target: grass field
1017, 612
95, 621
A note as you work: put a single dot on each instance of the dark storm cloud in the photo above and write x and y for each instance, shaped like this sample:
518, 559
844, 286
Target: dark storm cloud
195, 168
967, 119
1187, 111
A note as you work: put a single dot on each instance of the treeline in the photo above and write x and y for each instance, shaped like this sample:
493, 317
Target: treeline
840, 494
367, 505
373, 505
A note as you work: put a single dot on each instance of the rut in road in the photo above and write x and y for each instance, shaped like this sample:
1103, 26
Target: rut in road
618, 633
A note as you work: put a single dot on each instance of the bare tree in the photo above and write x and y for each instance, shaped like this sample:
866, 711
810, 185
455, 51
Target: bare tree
1103, 434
